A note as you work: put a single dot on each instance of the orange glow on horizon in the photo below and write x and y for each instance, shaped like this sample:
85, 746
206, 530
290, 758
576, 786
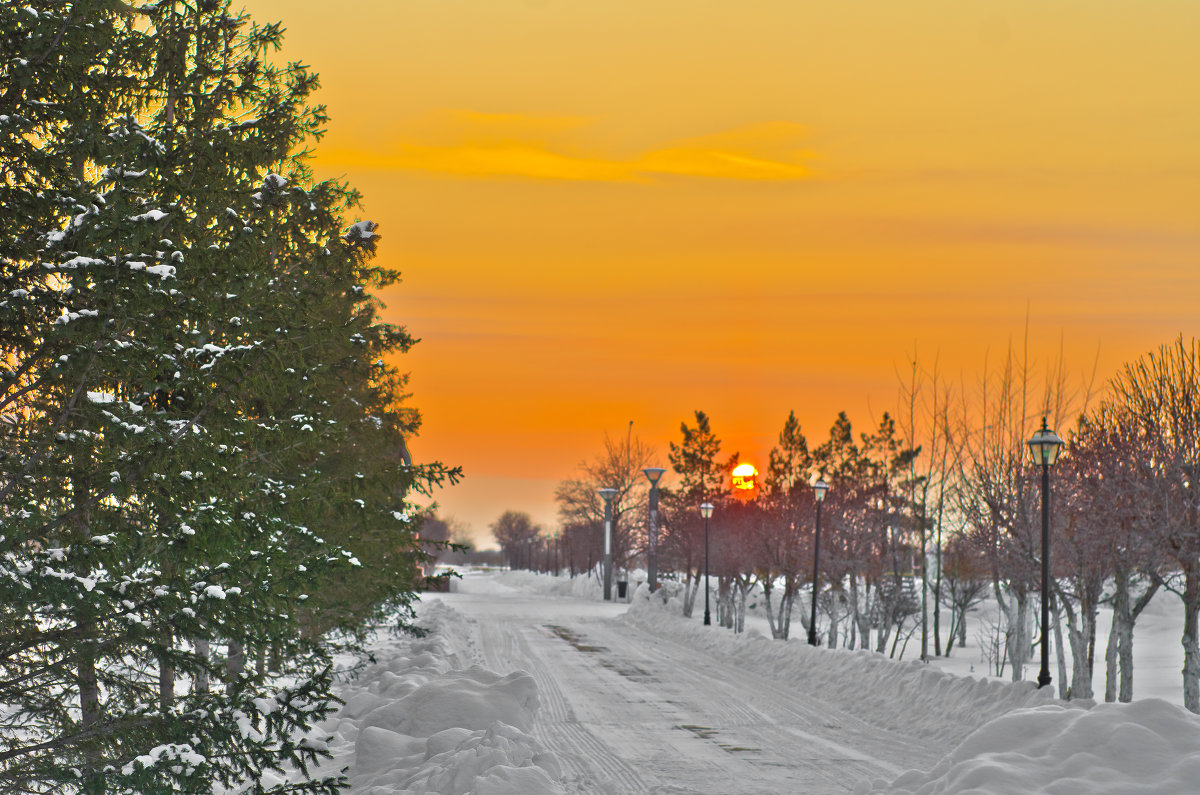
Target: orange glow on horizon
580, 196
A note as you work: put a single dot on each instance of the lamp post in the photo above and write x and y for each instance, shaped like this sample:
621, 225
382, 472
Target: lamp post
653, 474
706, 511
819, 489
1045, 446
608, 495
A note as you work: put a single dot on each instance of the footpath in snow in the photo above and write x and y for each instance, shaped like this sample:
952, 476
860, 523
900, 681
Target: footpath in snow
531, 684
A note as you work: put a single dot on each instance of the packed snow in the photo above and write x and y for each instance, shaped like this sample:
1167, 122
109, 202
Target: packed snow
422, 719
1146, 746
531, 684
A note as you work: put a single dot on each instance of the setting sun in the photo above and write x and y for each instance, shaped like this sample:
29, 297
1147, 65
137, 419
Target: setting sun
745, 477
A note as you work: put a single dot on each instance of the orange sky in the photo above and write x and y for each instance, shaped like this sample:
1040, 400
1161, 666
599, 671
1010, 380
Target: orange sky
615, 210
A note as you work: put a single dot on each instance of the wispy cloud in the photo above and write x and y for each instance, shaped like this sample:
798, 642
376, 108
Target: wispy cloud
470, 144
761, 151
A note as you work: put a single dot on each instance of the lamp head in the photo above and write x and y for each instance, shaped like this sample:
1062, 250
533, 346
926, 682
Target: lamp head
653, 474
706, 510
819, 489
607, 494
1045, 445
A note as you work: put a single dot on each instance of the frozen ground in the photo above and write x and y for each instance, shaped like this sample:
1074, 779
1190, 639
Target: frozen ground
530, 684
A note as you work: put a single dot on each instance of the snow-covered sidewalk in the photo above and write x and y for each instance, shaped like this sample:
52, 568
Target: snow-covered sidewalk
530, 684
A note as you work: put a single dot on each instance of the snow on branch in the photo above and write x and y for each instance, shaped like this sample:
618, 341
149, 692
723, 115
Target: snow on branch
362, 234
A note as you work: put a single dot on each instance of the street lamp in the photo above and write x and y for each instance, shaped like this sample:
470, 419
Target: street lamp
819, 489
706, 511
608, 495
1045, 446
653, 474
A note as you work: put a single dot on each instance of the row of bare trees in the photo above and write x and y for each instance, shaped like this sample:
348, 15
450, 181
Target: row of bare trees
1123, 505
934, 510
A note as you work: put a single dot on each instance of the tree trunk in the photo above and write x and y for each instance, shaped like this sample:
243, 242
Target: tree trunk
725, 602
166, 676
862, 617
690, 589
697, 579
1125, 659
884, 629
896, 641
886, 623
1125, 637
1015, 608
740, 622
1081, 632
835, 616
1064, 689
952, 633
785, 612
937, 590
1091, 644
200, 683
1110, 663
89, 688
89, 705
771, 623
235, 663
1191, 639
883, 634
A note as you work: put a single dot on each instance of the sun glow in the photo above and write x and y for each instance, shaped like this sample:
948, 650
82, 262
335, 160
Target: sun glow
745, 477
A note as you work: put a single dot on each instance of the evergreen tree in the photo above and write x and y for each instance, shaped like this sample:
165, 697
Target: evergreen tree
195, 400
694, 459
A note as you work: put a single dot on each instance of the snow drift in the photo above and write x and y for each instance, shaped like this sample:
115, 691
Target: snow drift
1147, 746
536, 583
425, 718
1009, 738
910, 697
418, 721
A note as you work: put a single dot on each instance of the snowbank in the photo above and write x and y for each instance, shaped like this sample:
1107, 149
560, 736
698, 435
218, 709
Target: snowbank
1008, 738
535, 583
1147, 746
421, 719
424, 719
910, 697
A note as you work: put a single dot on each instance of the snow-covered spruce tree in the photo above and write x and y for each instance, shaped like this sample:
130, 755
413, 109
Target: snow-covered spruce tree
185, 337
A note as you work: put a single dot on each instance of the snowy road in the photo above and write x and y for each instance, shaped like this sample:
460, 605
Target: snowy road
627, 711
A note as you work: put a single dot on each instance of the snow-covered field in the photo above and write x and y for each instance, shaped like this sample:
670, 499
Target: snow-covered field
1157, 651
531, 684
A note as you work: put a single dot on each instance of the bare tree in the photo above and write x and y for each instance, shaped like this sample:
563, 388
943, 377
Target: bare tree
1101, 491
1159, 395
581, 510
998, 499
517, 536
926, 425
964, 579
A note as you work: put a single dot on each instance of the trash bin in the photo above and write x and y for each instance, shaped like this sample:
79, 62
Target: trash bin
621, 588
